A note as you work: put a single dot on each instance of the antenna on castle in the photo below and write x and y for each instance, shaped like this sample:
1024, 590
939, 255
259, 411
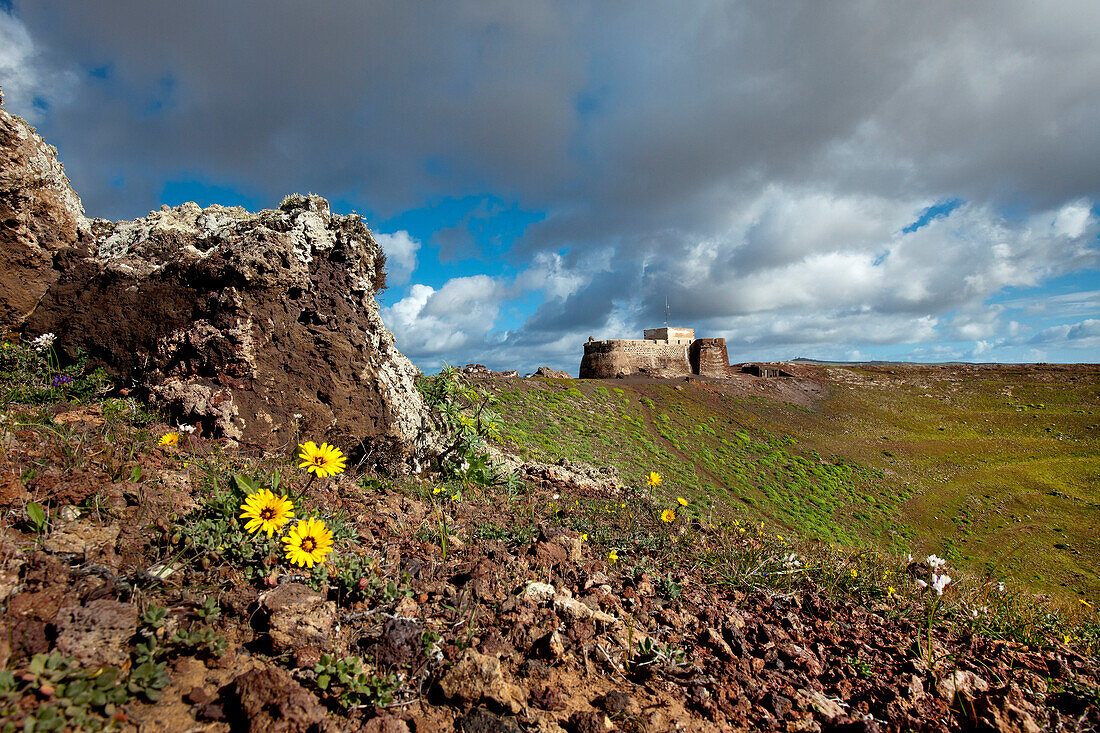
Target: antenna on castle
666, 311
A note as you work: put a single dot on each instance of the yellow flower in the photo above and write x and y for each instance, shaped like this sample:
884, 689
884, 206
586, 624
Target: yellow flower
324, 461
613, 556
584, 537
890, 591
266, 512
653, 479
169, 439
308, 543
668, 516
682, 501
437, 489
1066, 638
779, 537
1086, 603
854, 572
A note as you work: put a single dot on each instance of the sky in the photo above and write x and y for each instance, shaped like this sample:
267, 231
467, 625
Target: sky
850, 180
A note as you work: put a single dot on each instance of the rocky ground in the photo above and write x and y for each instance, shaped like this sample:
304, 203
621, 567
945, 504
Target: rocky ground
523, 622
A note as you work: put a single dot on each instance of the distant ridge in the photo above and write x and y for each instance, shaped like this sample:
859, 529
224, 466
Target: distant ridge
807, 360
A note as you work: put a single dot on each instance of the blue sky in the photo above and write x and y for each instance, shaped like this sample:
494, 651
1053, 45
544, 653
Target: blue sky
831, 180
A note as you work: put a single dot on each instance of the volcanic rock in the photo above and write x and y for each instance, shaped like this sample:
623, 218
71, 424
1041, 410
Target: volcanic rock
40, 215
298, 617
98, 633
476, 676
271, 700
549, 373
258, 327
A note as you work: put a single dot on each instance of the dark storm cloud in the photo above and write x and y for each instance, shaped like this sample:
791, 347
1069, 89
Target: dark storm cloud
346, 98
749, 160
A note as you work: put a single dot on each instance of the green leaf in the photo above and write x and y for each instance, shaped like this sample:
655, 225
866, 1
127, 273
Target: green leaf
135, 474
323, 680
37, 515
244, 483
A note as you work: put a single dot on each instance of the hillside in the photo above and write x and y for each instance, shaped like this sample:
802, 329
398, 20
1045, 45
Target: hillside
480, 597
994, 467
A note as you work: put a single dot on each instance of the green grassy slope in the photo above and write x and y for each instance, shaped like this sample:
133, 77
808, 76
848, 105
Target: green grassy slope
996, 468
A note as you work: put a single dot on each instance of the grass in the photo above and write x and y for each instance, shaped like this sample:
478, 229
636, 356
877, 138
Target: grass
994, 469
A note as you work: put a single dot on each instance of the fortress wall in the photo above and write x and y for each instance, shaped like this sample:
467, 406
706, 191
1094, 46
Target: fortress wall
709, 357
612, 358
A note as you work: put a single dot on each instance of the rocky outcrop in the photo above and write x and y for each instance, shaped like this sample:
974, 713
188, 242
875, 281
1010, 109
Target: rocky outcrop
480, 371
548, 373
261, 327
40, 215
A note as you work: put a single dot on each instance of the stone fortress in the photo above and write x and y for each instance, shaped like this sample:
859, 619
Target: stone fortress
664, 352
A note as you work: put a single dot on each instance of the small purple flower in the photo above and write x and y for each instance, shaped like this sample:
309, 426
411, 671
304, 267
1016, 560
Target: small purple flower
61, 379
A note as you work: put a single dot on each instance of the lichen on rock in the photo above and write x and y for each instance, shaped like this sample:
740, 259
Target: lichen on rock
262, 327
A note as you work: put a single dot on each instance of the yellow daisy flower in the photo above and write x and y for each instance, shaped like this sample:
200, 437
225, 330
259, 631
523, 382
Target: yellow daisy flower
613, 556
169, 439
323, 461
682, 501
266, 512
668, 516
654, 479
308, 543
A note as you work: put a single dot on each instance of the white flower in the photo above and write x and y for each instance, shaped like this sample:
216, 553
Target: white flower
909, 557
936, 563
921, 583
555, 497
792, 561
465, 466
187, 428
44, 341
1001, 587
939, 582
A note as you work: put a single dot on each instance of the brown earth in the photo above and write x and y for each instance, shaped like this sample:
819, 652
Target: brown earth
525, 631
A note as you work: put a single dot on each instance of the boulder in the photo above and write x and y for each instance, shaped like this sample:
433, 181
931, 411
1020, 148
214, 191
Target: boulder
262, 328
549, 373
40, 215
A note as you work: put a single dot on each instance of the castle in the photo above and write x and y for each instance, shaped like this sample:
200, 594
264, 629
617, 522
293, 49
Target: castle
664, 352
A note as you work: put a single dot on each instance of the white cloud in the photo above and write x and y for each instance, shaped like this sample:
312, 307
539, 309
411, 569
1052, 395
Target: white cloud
456, 320
400, 249
1073, 219
24, 74
1082, 335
